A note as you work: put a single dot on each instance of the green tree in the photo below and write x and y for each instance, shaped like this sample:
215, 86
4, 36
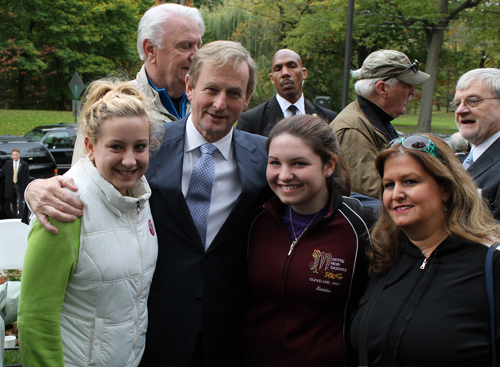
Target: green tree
46, 41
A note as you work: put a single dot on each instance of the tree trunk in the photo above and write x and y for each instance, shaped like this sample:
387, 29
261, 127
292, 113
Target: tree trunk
434, 42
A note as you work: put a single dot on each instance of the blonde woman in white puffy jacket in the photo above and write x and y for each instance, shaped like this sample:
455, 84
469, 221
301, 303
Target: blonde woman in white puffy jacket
84, 290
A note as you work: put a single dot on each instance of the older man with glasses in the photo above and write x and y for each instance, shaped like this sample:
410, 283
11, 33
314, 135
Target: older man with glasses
477, 114
385, 84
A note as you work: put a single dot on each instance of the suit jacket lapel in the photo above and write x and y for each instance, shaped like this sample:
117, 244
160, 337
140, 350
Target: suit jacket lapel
273, 111
486, 160
310, 108
167, 166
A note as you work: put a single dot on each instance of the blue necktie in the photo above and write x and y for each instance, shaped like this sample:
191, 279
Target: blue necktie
468, 161
200, 190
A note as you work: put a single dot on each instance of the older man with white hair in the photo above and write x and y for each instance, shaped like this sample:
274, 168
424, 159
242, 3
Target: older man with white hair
385, 83
168, 36
167, 39
477, 115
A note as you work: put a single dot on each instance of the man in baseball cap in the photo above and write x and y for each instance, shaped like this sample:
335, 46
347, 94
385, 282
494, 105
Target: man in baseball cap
384, 84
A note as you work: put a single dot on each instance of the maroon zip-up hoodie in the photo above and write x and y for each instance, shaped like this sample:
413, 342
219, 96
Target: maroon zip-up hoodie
303, 297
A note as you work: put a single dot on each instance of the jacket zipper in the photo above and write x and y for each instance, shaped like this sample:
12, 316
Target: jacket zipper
408, 295
133, 228
423, 264
292, 246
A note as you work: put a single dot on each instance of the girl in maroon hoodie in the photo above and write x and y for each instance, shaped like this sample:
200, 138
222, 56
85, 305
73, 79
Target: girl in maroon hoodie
307, 264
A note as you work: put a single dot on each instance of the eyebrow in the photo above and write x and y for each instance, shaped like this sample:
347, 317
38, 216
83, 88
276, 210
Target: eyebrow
293, 159
470, 96
214, 84
406, 176
121, 141
286, 63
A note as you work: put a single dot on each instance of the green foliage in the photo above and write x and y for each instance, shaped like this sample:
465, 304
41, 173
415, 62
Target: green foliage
43, 43
13, 275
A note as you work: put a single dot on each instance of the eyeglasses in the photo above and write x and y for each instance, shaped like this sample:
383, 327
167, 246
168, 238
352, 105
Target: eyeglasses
413, 67
470, 102
417, 142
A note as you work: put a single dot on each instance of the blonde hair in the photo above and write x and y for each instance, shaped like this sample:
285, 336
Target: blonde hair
467, 214
107, 98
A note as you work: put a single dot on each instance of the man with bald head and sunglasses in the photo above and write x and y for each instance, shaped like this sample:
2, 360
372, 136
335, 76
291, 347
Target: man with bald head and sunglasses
477, 115
385, 83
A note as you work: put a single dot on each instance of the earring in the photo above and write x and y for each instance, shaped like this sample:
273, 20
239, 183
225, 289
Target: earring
86, 140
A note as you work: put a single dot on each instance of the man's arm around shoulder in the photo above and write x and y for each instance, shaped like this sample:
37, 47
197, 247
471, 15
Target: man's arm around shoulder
48, 198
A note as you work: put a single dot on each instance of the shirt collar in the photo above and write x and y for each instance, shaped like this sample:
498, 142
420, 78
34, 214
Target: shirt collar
378, 117
284, 104
479, 149
193, 140
166, 101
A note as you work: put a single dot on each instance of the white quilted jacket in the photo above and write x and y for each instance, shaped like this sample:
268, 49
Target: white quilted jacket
104, 315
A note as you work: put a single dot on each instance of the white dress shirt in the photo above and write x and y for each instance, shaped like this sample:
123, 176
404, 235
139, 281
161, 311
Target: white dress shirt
227, 184
284, 104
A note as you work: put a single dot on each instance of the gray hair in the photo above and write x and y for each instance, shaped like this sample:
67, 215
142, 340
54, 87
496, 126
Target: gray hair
219, 54
458, 143
150, 26
366, 87
486, 77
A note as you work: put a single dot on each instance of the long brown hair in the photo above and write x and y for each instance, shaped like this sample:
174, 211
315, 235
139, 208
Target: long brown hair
467, 215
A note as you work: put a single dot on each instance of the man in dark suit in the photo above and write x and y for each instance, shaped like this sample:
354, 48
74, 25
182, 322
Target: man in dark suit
288, 75
200, 289
477, 102
17, 175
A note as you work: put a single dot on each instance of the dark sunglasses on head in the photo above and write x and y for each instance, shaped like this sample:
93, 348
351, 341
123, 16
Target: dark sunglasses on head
413, 66
417, 142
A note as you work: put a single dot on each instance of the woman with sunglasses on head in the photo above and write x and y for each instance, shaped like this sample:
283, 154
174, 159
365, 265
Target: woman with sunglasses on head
426, 303
307, 263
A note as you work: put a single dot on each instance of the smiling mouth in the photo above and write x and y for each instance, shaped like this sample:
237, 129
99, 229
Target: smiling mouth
125, 173
403, 207
215, 116
289, 187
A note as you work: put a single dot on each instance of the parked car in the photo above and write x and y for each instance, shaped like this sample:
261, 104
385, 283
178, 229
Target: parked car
59, 140
41, 164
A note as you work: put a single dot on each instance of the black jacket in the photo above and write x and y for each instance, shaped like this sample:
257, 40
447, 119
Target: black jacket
23, 176
486, 174
261, 119
194, 289
435, 316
